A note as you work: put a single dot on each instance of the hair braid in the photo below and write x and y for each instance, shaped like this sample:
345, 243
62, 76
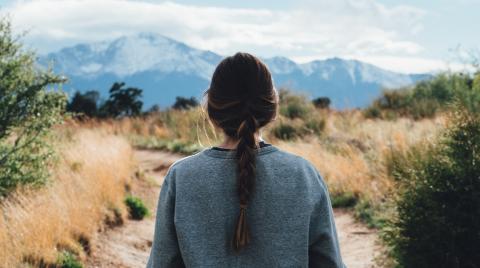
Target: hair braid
245, 178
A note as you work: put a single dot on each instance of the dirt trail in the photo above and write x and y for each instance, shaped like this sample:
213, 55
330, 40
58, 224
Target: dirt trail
129, 245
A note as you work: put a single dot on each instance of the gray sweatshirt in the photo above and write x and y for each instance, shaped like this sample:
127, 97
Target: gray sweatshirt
289, 215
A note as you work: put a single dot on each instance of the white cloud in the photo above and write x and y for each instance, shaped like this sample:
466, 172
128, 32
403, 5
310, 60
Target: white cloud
358, 28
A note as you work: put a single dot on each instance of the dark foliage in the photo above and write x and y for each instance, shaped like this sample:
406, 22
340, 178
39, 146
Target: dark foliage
136, 207
85, 104
322, 102
438, 222
122, 101
428, 97
182, 103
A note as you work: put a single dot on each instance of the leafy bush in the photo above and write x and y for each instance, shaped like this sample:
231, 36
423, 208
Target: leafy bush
438, 223
314, 126
344, 200
27, 112
122, 101
322, 102
182, 103
372, 112
136, 207
294, 110
428, 97
68, 260
85, 103
285, 131
294, 106
370, 214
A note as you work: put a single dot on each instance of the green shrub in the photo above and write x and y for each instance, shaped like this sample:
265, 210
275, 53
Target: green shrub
372, 112
438, 207
294, 110
136, 207
366, 212
68, 260
28, 110
322, 102
428, 97
294, 106
285, 131
315, 126
344, 200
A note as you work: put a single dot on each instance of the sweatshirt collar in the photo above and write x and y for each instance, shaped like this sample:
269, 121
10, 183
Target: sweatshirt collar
231, 153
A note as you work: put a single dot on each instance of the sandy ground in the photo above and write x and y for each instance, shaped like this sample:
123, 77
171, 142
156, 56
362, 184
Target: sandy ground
129, 245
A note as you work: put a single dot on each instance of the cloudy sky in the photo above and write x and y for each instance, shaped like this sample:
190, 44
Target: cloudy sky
405, 36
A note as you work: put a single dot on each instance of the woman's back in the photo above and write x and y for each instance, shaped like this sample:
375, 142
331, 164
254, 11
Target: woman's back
289, 214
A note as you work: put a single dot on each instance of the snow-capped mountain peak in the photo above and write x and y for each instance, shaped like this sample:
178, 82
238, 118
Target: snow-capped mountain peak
165, 68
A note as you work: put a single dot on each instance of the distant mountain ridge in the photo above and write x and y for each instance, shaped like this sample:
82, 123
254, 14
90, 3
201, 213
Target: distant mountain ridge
165, 68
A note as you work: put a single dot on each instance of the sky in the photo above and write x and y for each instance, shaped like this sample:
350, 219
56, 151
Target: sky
404, 36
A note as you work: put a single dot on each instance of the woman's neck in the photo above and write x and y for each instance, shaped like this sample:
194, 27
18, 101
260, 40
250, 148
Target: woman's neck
231, 143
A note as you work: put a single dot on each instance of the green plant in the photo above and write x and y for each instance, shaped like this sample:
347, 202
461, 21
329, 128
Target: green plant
285, 131
84, 104
315, 126
136, 207
344, 200
366, 212
372, 112
428, 97
322, 102
182, 103
438, 206
28, 110
68, 260
294, 106
294, 110
122, 101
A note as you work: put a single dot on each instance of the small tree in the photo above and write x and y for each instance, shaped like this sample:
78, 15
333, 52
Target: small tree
322, 102
182, 103
85, 103
438, 223
154, 109
123, 101
27, 112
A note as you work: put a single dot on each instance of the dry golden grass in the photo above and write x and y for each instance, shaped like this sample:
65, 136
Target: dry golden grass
184, 125
88, 185
353, 152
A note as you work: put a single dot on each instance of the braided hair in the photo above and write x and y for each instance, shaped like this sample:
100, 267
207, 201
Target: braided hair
242, 99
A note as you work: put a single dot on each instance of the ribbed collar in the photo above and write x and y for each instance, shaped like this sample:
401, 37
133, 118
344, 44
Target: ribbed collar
231, 153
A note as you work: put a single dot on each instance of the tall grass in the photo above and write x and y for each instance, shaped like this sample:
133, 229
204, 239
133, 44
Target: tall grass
353, 154
88, 187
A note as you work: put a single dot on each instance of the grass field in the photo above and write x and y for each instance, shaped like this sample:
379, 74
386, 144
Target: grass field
352, 152
85, 193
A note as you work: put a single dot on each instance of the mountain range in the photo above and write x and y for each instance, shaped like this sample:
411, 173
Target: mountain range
165, 68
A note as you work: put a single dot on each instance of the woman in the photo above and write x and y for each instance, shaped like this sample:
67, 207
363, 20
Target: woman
244, 203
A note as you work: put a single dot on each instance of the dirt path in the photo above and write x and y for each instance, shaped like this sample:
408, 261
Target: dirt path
129, 245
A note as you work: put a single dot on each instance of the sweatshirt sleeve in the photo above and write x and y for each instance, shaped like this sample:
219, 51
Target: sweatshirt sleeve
324, 250
165, 251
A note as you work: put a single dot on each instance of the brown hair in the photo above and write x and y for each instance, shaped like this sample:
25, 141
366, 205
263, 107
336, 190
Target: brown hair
241, 99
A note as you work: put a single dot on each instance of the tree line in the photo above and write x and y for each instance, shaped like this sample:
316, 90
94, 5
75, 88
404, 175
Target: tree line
126, 101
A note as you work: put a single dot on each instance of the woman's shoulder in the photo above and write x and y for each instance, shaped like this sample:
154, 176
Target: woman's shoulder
293, 160
186, 162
